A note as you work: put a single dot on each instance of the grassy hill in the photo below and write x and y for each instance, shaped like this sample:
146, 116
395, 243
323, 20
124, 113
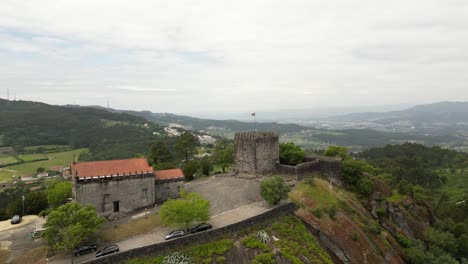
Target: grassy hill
107, 135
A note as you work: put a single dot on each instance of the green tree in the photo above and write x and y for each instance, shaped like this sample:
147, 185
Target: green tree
186, 145
291, 154
40, 170
58, 193
160, 153
71, 224
190, 169
274, 189
35, 202
183, 212
365, 186
352, 170
224, 154
206, 166
337, 151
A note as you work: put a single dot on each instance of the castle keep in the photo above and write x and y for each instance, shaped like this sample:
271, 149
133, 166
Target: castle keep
256, 152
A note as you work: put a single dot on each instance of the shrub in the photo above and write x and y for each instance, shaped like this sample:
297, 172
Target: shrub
380, 212
221, 260
374, 227
274, 189
403, 240
265, 258
337, 151
355, 236
365, 186
190, 169
317, 213
291, 154
332, 211
253, 242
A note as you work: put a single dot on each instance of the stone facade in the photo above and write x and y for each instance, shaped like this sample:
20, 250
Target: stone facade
114, 186
256, 152
122, 194
165, 189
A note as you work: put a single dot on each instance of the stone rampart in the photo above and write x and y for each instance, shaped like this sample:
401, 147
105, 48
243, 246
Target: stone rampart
326, 166
199, 238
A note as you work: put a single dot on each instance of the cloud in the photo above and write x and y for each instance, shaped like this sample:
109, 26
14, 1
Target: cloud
221, 55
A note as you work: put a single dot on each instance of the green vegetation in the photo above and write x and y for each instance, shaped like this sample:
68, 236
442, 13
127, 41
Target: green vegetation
107, 135
291, 154
183, 212
274, 189
253, 242
319, 190
71, 224
336, 151
224, 154
186, 145
58, 193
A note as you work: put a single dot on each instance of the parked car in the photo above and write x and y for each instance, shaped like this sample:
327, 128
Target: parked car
85, 249
16, 219
201, 227
174, 234
107, 250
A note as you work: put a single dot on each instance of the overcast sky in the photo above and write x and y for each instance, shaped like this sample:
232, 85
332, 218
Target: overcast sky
234, 56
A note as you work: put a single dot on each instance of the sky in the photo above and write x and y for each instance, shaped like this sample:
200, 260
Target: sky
217, 56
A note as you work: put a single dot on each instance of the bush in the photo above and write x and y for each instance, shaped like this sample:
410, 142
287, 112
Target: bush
355, 236
380, 212
374, 227
265, 258
365, 186
274, 189
337, 151
177, 258
403, 241
263, 236
352, 170
291, 154
253, 242
332, 212
206, 166
317, 213
190, 169
221, 260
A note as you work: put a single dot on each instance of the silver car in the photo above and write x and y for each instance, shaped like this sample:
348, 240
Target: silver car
174, 234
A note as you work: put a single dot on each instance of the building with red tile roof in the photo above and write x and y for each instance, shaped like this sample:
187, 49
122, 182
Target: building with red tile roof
114, 185
168, 184
170, 174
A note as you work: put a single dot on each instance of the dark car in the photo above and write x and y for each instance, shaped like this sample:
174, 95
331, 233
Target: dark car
107, 250
16, 219
201, 227
85, 249
174, 234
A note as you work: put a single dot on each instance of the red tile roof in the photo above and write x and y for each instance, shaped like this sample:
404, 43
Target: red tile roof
110, 167
168, 174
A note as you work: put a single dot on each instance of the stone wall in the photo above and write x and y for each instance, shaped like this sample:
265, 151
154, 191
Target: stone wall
326, 166
168, 189
256, 152
132, 192
199, 238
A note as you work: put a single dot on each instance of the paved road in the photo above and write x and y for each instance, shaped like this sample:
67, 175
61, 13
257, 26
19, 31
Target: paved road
16, 237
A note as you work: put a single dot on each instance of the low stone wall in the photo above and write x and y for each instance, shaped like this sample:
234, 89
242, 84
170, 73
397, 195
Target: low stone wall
329, 167
199, 238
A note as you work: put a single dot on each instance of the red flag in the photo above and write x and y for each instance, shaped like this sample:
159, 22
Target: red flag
252, 114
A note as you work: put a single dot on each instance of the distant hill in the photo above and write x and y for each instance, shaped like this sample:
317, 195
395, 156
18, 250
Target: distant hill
106, 134
307, 137
442, 112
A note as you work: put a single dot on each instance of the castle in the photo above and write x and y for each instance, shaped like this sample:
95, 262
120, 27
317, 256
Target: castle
257, 152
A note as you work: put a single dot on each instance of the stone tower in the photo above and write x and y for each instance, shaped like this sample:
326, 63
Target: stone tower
256, 152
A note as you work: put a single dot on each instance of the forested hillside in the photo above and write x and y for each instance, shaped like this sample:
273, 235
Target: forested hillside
107, 135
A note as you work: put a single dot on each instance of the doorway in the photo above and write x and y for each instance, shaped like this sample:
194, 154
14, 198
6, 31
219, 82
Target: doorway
116, 206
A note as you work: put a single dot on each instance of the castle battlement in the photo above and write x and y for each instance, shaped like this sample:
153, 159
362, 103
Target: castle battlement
256, 135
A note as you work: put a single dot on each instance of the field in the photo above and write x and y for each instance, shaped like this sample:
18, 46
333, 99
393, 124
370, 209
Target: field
6, 159
63, 158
